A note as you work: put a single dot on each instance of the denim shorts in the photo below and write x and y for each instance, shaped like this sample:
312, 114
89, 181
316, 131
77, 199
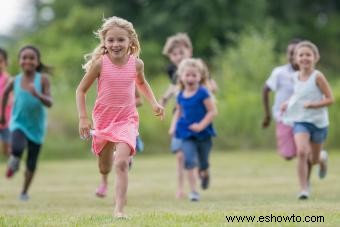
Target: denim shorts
176, 144
317, 135
5, 135
196, 152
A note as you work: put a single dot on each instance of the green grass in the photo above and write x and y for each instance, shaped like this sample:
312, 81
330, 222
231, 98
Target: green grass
243, 183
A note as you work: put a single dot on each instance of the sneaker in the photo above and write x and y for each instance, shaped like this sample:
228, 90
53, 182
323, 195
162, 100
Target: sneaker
324, 159
101, 190
24, 197
12, 166
194, 196
303, 195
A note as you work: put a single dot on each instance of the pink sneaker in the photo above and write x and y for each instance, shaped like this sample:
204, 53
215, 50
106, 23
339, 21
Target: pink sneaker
101, 190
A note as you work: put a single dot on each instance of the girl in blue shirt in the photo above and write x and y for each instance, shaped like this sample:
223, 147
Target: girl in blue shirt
192, 121
31, 90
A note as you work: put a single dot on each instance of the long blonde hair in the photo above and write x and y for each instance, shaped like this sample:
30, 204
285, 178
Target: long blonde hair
109, 23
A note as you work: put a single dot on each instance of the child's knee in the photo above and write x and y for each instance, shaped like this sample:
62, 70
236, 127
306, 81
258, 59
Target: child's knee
104, 170
121, 165
303, 152
189, 164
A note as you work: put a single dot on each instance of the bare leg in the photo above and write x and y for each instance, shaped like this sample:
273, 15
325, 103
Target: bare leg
192, 176
180, 174
121, 164
303, 150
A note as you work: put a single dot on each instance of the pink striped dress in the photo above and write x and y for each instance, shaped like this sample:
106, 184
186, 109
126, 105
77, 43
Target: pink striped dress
3, 82
115, 117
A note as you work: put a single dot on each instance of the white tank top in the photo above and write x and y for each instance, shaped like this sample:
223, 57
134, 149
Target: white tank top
306, 91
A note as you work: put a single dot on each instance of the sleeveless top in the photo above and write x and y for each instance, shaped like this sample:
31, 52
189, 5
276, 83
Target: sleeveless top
28, 113
115, 115
3, 81
306, 91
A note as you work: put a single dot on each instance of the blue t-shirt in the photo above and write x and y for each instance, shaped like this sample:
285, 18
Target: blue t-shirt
193, 110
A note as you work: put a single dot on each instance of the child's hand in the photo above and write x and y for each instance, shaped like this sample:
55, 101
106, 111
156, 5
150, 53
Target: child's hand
284, 107
308, 105
84, 128
196, 127
32, 90
158, 110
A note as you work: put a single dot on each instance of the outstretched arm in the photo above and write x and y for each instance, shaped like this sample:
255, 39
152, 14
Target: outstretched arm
83, 87
265, 101
170, 91
145, 89
174, 120
8, 89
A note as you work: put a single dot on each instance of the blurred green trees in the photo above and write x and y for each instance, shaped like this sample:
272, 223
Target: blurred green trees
241, 41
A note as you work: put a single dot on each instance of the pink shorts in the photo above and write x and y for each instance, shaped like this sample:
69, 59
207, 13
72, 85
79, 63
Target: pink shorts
285, 140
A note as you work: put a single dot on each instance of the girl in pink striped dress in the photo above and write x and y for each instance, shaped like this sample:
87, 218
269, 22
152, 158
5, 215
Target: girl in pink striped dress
116, 67
4, 79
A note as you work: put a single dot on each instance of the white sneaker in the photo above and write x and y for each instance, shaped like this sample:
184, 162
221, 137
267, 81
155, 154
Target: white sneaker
194, 196
324, 159
303, 195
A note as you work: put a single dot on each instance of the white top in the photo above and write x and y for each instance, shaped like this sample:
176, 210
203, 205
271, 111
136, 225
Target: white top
306, 91
281, 82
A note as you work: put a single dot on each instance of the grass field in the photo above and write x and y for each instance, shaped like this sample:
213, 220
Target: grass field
243, 183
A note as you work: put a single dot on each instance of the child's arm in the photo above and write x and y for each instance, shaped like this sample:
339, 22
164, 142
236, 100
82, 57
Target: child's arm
45, 96
8, 89
208, 118
328, 99
170, 91
265, 101
145, 89
174, 120
139, 100
84, 85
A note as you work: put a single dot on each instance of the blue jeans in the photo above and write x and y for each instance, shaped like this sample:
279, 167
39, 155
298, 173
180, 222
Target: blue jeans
317, 135
196, 150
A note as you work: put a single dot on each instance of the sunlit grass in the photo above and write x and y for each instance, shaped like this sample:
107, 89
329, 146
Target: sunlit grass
243, 183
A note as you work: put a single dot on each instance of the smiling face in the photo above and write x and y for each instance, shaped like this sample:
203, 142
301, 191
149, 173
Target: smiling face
305, 58
191, 77
117, 42
28, 60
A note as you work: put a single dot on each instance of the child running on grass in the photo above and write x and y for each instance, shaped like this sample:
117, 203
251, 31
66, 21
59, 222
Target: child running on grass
192, 122
4, 79
102, 188
116, 66
281, 82
28, 121
176, 48
307, 109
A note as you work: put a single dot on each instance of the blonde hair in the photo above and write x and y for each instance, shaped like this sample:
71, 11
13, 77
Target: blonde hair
108, 24
311, 46
177, 40
195, 63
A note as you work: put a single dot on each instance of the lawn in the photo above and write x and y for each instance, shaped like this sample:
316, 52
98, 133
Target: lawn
257, 183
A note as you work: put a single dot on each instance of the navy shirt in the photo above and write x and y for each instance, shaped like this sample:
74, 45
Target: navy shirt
193, 110
172, 73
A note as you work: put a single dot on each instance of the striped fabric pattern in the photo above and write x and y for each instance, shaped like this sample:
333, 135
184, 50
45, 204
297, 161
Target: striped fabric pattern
115, 116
